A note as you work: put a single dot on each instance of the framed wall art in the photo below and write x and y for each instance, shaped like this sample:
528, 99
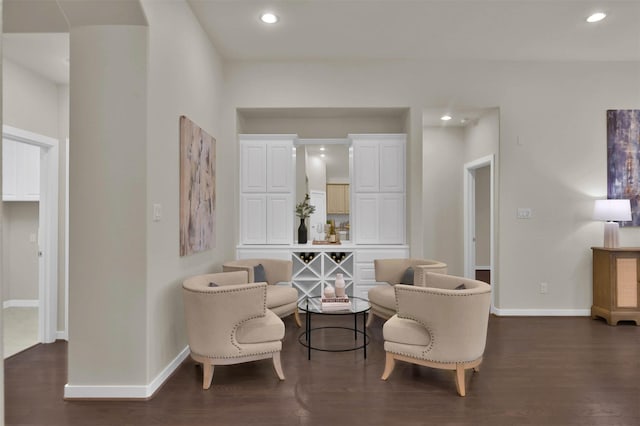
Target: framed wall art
623, 159
197, 188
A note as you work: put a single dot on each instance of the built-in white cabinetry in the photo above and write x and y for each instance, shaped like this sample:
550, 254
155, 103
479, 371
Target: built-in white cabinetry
379, 184
313, 269
20, 171
267, 186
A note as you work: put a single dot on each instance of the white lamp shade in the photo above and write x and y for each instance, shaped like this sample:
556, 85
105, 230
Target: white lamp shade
610, 210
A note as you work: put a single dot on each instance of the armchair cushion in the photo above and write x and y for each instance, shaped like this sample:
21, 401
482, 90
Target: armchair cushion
260, 330
406, 331
383, 295
279, 295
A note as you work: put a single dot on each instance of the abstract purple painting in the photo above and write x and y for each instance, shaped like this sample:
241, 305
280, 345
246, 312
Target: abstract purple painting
623, 159
197, 188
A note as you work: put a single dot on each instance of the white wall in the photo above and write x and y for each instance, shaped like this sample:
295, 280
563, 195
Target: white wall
552, 154
108, 199
63, 134
443, 159
33, 103
30, 101
1, 238
20, 254
185, 78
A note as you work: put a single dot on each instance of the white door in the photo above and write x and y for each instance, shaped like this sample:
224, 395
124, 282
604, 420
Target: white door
391, 218
253, 219
253, 165
280, 167
367, 219
367, 166
279, 226
392, 166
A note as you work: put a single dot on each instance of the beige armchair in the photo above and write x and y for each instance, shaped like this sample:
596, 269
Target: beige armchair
229, 323
438, 326
281, 299
382, 297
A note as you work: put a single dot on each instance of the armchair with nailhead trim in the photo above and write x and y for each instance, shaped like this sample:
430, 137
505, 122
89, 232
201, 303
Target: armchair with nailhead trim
441, 325
229, 323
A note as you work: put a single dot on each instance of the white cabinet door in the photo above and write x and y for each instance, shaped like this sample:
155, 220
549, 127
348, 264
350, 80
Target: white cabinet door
253, 229
366, 166
9, 170
392, 166
29, 176
253, 166
20, 171
280, 167
391, 218
279, 219
367, 219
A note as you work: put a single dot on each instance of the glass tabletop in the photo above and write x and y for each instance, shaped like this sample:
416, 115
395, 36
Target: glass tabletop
314, 305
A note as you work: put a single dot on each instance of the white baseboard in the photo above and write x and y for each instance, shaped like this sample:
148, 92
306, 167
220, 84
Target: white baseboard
62, 335
21, 303
125, 392
542, 312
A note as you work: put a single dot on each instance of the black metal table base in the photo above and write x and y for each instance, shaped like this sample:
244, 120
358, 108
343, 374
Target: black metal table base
305, 336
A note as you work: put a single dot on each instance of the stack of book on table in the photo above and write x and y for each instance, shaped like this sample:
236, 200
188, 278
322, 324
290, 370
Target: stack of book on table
333, 304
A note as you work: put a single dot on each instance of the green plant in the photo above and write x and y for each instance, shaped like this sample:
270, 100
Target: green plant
304, 209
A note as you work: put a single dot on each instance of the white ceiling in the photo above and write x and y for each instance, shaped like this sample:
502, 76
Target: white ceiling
426, 29
340, 30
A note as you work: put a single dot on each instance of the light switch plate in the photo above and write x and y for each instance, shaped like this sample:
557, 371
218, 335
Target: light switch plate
157, 212
525, 213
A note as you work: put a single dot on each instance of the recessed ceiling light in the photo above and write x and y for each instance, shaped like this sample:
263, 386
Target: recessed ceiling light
596, 17
322, 155
322, 148
445, 117
269, 18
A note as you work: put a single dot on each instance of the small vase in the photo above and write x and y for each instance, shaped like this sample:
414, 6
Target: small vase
339, 284
329, 292
302, 232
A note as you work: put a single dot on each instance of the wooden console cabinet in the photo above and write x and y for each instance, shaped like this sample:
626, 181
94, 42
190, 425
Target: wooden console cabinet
616, 292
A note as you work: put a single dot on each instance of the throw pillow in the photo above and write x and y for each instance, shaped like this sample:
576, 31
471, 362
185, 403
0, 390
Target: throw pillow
461, 287
259, 275
213, 284
407, 277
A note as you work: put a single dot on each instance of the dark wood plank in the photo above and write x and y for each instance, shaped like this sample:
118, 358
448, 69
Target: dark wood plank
483, 275
537, 371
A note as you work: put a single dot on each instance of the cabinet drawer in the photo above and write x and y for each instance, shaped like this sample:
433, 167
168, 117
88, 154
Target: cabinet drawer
371, 255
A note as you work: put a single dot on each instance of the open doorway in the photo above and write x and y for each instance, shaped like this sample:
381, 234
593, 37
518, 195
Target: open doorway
479, 220
30, 240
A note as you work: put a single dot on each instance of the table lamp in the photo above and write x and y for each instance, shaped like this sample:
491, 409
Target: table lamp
608, 211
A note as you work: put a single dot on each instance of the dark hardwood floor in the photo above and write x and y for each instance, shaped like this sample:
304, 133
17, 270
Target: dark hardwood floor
537, 371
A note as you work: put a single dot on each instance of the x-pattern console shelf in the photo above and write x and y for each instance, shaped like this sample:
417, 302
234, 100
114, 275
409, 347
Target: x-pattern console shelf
312, 269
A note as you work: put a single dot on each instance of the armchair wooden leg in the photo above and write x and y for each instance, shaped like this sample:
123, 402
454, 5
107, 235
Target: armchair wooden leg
277, 366
207, 375
296, 316
460, 386
369, 319
389, 365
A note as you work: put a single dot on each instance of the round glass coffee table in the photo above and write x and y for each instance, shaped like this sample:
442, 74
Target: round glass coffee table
313, 306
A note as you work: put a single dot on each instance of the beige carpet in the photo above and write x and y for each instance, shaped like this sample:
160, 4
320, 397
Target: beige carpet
20, 329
